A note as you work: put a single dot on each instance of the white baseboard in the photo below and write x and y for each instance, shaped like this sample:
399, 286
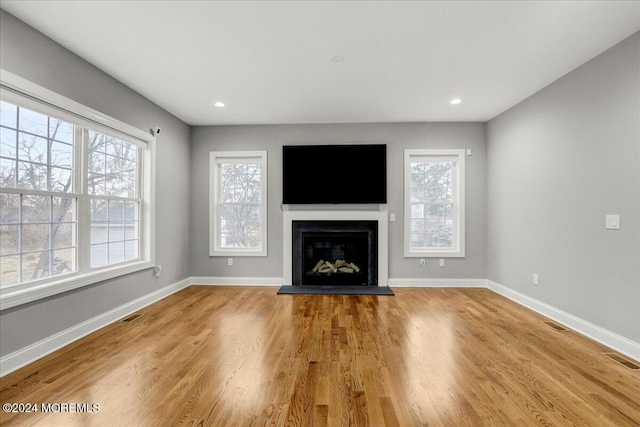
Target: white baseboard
16, 360
437, 283
236, 281
279, 281
603, 336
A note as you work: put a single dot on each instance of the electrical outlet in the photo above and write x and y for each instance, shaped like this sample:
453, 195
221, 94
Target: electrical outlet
157, 270
229, 262
441, 262
535, 279
423, 262
612, 222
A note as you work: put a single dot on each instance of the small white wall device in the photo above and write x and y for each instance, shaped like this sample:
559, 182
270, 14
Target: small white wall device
613, 222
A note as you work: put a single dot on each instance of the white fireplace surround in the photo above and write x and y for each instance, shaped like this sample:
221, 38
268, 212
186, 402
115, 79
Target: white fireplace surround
383, 236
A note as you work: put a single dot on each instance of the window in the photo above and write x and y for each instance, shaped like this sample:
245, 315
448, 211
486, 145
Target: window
434, 203
72, 205
238, 203
38, 224
112, 187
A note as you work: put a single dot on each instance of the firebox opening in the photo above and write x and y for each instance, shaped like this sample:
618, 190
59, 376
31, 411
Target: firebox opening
335, 258
340, 253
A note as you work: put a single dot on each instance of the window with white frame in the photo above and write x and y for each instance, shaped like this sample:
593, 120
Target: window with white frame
112, 188
238, 203
73, 209
38, 220
434, 203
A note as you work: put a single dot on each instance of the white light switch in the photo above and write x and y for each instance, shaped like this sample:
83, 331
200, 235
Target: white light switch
392, 217
613, 222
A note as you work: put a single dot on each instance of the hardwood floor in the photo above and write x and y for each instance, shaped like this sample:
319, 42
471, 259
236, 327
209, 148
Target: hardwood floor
244, 356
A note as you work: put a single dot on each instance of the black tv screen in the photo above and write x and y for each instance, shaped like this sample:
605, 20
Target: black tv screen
334, 174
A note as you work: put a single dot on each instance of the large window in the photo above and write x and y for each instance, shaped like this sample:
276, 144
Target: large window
434, 203
238, 203
38, 215
72, 205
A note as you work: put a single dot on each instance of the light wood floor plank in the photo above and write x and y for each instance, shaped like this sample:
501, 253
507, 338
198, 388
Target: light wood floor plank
244, 356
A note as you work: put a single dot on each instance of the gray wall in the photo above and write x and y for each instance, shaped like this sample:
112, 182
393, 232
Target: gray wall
557, 163
31, 55
397, 136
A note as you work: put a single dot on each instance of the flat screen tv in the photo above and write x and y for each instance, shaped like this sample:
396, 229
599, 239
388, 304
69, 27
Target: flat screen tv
334, 174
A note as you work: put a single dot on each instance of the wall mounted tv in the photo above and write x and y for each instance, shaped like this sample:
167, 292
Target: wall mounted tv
334, 174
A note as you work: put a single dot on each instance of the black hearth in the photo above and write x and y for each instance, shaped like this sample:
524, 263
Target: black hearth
335, 253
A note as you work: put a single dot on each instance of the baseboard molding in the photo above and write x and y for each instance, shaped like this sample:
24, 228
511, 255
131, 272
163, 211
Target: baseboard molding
236, 281
279, 281
16, 360
437, 283
603, 336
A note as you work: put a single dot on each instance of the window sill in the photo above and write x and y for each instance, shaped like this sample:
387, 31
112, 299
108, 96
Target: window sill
22, 294
434, 254
232, 253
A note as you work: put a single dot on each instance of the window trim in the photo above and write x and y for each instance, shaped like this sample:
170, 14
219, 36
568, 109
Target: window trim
214, 249
27, 93
458, 250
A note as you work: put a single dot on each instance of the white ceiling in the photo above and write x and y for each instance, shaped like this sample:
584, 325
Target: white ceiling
269, 62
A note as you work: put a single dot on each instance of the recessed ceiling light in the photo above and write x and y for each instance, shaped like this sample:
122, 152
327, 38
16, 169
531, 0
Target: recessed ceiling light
337, 58
219, 104
456, 101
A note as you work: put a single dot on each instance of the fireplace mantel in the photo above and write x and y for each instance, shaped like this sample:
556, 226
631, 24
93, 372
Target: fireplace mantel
383, 236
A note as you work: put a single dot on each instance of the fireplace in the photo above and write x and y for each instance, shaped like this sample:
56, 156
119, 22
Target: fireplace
336, 236
335, 253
